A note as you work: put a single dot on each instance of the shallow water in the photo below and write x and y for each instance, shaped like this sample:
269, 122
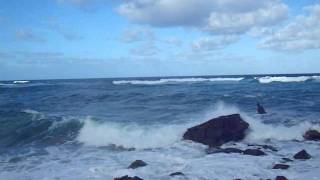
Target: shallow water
94, 128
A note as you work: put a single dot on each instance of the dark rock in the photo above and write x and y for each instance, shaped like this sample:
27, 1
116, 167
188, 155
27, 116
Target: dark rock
312, 135
280, 166
267, 147
254, 152
177, 174
302, 155
218, 131
128, 178
137, 164
281, 178
260, 109
220, 150
286, 160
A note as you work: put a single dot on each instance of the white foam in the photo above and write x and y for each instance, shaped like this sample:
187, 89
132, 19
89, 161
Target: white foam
174, 81
21, 82
35, 114
142, 137
129, 135
260, 131
269, 79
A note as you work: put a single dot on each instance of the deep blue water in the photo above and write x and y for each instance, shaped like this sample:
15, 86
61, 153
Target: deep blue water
46, 113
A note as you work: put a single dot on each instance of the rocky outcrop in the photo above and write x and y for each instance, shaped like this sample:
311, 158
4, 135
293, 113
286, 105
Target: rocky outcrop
218, 131
254, 152
302, 155
128, 178
220, 150
280, 166
177, 174
260, 109
312, 135
267, 147
281, 178
137, 164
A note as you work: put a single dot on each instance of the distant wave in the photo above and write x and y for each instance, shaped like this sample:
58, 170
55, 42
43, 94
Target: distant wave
174, 81
20, 82
269, 79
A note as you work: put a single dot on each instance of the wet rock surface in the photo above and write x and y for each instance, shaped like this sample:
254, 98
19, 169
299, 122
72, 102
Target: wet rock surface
303, 154
254, 152
280, 166
312, 135
128, 178
218, 131
137, 164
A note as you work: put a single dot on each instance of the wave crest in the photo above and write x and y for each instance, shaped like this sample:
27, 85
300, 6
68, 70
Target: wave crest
156, 136
269, 79
129, 135
174, 81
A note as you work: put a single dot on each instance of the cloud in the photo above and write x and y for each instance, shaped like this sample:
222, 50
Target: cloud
132, 35
67, 34
173, 41
213, 43
146, 49
25, 35
270, 13
301, 34
214, 16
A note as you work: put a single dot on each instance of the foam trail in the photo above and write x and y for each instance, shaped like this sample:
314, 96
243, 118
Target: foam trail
174, 80
269, 79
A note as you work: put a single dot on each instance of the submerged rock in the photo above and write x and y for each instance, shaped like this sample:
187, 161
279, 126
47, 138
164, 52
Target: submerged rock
280, 166
137, 164
254, 152
281, 178
220, 150
302, 155
267, 147
128, 178
218, 131
286, 160
177, 174
312, 135
260, 109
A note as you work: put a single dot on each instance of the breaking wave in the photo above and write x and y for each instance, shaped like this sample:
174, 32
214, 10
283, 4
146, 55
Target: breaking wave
269, 79
129, 135
142, 137
174, 81
20, 82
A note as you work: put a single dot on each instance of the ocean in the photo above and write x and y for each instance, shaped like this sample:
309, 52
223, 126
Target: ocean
94, 128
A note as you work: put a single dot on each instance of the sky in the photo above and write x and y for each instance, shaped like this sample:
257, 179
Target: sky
58, 39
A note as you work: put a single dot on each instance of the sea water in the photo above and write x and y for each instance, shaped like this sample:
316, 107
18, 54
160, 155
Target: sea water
94, 128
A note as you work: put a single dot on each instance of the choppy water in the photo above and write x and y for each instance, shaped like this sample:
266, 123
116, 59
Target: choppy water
94, 128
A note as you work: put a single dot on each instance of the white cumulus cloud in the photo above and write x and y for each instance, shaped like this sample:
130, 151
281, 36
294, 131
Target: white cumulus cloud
215, 16
301, 34
213, 42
